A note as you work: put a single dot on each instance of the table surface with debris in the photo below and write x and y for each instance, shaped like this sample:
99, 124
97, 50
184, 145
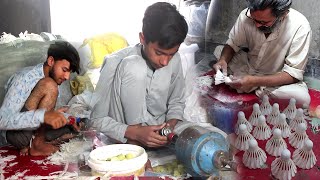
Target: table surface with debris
14, 166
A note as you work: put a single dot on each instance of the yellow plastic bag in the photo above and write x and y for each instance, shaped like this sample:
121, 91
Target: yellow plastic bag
81, 83
102, 45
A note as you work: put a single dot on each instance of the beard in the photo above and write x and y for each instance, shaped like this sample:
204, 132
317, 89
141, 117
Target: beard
269, 29
52, 75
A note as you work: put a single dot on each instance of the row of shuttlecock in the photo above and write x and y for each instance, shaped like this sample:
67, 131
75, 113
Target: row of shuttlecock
283, 167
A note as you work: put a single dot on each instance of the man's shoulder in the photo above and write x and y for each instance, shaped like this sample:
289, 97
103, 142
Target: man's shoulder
295, 17
115, 58
38, 69
27, 72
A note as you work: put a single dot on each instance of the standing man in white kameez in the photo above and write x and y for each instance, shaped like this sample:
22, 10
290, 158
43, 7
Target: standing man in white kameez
277, 38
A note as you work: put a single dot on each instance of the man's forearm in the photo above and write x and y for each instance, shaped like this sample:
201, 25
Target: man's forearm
131, 132
227, 54
109, 127
278, 79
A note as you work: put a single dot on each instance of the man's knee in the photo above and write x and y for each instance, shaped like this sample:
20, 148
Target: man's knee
297, 91
48, 85
19, 138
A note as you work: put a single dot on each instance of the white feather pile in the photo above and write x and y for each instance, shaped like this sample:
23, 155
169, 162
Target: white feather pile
70, 151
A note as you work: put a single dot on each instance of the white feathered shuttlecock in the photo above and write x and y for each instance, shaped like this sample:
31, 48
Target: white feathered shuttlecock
304, 157
242, 140
283, 167
242, 120
221, 78
283, 126
297, 138
276, 144
297, 120
253, 119
305, 108
273, 117
265, 106
290, 110
262, 131
254, 157
218, 78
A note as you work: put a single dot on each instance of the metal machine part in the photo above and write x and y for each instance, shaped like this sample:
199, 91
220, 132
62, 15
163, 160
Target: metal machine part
203, 152
52, 134
165, 131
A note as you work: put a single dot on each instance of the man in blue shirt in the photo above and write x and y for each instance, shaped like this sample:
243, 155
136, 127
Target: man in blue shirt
31, 95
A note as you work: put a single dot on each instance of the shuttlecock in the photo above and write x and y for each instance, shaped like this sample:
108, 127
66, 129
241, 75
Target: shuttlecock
265, 106
283, 167
276, 144
273, 117
297, 120
297, 138
304, 157
242, 120
220, 78
242, 140
253, 119
262, 131
290, 110
305, 108
254, 157
283, 126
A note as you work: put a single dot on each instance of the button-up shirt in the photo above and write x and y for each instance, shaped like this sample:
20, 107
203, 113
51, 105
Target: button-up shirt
18, 89
285, 49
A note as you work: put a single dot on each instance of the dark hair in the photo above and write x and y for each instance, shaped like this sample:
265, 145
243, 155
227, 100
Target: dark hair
278, 7
60, 50
162, 23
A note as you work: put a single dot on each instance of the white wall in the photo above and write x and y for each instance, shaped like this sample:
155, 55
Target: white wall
79, 19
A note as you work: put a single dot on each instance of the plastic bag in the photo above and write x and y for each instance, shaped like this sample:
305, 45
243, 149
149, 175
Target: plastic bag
102, 45
81, 83
79, 105
196, 16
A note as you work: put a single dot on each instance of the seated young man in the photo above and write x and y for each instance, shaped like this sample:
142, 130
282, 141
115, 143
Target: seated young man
31, 95
141, 88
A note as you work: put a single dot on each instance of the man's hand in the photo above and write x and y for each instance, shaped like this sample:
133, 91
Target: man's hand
243, 84
63, 109
172, 123
222, 66
147, 135
55, 119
